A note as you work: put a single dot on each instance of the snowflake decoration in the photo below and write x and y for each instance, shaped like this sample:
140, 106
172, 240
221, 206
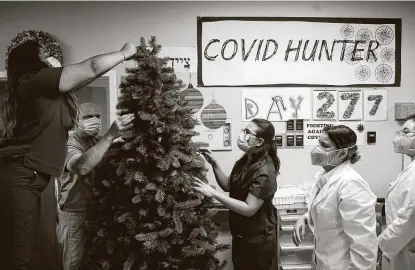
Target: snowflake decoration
360, 128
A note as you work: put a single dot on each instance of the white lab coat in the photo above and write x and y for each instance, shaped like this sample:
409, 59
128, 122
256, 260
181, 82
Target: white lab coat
398, 239
343, 219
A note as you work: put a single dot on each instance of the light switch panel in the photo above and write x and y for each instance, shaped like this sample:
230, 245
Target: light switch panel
403, 110
371, 137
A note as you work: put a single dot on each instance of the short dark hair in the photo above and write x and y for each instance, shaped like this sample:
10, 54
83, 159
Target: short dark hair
411, 117
344, 137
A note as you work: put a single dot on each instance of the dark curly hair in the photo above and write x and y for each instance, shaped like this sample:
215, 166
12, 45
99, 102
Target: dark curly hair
22, 62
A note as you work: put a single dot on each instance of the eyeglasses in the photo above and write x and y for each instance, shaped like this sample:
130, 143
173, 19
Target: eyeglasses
404, 133
247, 133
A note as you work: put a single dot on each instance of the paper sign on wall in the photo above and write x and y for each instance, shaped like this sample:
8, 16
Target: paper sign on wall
182, 59
313, 130
375, 105
218, 139
317, 52
276, 104
325, 105
350, 105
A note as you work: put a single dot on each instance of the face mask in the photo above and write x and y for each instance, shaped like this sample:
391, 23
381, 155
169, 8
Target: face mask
242, 143
320, 157
53, 62
404, 145
91, 126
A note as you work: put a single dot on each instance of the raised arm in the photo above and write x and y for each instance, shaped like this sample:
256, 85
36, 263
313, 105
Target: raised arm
221, 178
78, 75
84, 163
263, 188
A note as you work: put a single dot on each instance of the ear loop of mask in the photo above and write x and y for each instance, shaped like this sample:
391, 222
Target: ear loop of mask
411, 139
345, 148
258, 138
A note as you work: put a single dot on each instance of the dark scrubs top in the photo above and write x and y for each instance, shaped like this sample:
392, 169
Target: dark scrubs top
261, 226
43, 122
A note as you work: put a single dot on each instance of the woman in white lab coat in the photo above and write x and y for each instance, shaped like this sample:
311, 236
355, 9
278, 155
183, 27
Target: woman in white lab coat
397, 241
341, 206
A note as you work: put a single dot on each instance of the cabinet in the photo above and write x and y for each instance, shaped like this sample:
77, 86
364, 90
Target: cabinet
299, 258
291, 256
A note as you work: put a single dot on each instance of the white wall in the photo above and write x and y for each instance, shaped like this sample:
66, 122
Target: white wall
88, 28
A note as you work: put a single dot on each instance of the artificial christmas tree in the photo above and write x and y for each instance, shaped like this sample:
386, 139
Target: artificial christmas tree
145, 213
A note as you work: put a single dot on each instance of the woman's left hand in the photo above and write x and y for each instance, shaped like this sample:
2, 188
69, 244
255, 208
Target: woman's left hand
204, 188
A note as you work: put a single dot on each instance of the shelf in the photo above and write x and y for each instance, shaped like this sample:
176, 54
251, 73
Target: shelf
287, 228
292, 255
297, 267
291, 206
287, 248
289, 218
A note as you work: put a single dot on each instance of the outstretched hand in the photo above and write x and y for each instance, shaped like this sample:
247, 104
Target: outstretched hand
204, 188
207, 154
121, 124
119, 140
129, 50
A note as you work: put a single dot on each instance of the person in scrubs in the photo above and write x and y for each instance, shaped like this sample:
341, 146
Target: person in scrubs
341, 206
397, 241
251, 186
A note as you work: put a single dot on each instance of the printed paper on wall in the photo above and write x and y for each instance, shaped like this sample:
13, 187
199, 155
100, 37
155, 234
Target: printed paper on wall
182, 59
316, 51
313, 130
325, 105
350, 105
276, 104
375, 105
218, 139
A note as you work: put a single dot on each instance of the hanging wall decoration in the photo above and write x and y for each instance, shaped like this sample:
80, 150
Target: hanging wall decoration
50, 44
193, 97
213, 115
218, 139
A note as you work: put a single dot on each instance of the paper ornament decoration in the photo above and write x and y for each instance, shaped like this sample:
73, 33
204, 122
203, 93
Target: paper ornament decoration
193, 97
213, 115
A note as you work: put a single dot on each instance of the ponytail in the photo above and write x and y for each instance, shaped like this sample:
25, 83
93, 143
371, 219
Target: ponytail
272, 152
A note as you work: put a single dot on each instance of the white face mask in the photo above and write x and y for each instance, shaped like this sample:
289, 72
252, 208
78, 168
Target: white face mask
242, 143
91, 126
320, 157
243, 139
53, 62
404, 146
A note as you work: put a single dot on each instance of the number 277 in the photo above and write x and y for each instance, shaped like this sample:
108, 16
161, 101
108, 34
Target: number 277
323, 112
